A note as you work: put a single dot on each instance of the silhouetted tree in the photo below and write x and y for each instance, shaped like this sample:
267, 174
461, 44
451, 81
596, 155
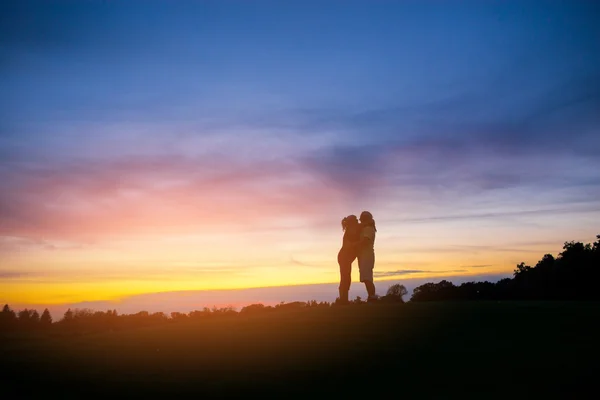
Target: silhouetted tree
442, 290
253, 308
46, 318
223, 311
521, 269
397, 290
290, 306
7, 312
321, 304
28, 319
82, 313
35, 317
68, 317
8, 318
178, 316
25, 316
205, 312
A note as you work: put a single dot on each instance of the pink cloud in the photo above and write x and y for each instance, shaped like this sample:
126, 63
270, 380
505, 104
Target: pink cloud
85, 201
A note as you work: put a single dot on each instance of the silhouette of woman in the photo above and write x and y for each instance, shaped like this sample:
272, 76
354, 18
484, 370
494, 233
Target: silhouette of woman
366, 253
348, 254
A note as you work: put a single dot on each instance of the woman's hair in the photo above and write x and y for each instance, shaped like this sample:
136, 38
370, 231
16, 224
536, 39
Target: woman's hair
366, 219
347, 220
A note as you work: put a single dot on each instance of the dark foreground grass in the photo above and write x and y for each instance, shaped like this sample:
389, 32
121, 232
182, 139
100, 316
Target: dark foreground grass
427, 350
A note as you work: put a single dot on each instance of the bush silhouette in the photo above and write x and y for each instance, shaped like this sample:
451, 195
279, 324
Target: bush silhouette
396, 292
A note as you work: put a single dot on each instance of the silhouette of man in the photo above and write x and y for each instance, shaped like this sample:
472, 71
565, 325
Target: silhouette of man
366, 253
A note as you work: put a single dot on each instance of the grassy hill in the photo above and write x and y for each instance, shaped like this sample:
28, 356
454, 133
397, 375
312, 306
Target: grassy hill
424, 350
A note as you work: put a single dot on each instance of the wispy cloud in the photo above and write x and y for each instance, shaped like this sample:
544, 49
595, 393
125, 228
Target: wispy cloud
469, 249
16, 243
458, 150
302, 264
12, 274
385, 274
577, 209
112, 274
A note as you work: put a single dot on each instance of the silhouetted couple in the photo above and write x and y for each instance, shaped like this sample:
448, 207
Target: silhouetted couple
358, 242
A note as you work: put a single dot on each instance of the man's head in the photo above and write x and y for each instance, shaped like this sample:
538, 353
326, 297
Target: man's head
366, 217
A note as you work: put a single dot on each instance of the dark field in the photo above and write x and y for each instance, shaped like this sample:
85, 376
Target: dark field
420, 350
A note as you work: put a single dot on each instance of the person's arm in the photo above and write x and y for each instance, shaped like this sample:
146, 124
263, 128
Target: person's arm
367, 236
358, 242
355, 243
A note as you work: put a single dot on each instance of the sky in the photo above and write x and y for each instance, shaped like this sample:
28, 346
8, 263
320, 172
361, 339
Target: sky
195, 147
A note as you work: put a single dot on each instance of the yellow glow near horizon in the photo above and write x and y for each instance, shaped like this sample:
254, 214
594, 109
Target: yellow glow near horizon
63, 293
92, 283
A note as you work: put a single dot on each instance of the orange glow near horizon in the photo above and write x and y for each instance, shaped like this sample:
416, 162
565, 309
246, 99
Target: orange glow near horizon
116, 270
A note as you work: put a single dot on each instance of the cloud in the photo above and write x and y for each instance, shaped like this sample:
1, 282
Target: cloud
302, 264
357, 169
11, 274
11, 243
471, 249
470, 144
15, 243
155, 195
385, 274
585, 208
108, 274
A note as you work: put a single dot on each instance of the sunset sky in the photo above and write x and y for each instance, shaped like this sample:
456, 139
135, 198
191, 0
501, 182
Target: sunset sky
171, 146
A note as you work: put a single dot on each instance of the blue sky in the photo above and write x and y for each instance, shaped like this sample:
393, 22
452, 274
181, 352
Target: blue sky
471, 123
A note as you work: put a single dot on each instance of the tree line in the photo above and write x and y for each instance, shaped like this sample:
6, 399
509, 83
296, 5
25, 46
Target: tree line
85, 320
572, 275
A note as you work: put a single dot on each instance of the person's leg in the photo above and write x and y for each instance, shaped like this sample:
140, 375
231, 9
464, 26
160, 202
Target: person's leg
345, 278
370, 288
366, 263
